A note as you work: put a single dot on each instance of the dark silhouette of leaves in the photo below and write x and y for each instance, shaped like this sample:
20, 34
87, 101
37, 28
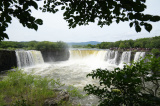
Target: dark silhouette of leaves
77, 12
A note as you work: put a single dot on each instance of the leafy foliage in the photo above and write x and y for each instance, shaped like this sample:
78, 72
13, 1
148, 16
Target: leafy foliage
74, 92
82, 12
19, 88
46, 45
79, 12
20, 9
135, 85
155, 52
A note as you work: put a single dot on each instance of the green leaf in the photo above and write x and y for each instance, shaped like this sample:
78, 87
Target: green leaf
138, 28
131, 24
34, 4
8, 19
155, 18
25, 6
39, 21
63, 7
148, 27
130, 16
143, 1
5, 36
117, 21
35, 27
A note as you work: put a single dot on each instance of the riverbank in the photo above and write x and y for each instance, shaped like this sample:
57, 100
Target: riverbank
19, 88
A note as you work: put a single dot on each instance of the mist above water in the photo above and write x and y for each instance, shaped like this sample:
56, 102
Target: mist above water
74, 70
82, 62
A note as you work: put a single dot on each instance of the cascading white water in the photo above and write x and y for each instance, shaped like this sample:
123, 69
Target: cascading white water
92, 58
87, 54
125, 58
139, 55
74, 71
80, 63
28, 58
112, 57
110, 54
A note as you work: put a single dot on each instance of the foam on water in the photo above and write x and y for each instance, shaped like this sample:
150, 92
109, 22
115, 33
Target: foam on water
74, 71
80, 63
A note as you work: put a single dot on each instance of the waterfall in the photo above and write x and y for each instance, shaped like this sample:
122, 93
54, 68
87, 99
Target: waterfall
109, 55
87, 55
91, 58
139, 55
28, 58
83, 54
113, 57
125, 58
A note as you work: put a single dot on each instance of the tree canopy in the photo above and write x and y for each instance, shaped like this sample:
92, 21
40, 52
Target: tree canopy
33, 45
77, 12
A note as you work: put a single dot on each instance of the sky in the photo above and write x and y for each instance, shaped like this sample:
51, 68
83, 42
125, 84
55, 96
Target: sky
55, 28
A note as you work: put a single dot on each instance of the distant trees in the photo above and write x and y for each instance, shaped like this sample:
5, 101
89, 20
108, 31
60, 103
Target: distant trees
45, 45
11, 44
153, 42
122, 45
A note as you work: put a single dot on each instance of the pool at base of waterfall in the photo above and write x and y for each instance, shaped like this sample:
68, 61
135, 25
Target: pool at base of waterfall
82, 62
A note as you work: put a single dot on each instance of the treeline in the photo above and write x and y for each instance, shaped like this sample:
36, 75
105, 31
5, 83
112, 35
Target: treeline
153, 42
84, 46
33, 45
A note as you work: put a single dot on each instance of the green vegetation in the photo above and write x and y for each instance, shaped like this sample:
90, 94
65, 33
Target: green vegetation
18, 86
153, 42
79, 12
33, 45
21, 89
155, 52
142, 43
135, 85
84, 46
74, 92
45, 45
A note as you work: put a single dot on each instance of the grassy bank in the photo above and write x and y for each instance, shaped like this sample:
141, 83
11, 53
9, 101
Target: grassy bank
19, 88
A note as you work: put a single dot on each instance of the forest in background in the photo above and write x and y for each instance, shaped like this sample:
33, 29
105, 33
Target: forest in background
152, 42
143, 44
33, 45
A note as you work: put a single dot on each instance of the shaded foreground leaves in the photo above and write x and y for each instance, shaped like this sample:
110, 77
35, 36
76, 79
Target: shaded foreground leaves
77, 12
135, 85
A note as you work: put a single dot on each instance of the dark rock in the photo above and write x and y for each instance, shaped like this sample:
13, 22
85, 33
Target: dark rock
62, 96
132, 55
7, 60
118, 59
55, 55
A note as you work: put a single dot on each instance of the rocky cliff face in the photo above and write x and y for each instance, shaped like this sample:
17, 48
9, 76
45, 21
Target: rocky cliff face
55, 55
7, 60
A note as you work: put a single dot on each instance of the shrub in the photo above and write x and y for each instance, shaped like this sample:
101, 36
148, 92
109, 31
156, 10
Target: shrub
135, 85
155, 52
20, 88
74, 92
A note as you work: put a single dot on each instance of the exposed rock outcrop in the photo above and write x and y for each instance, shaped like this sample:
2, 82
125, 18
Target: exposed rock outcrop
7, 60
62, 96
55, 55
